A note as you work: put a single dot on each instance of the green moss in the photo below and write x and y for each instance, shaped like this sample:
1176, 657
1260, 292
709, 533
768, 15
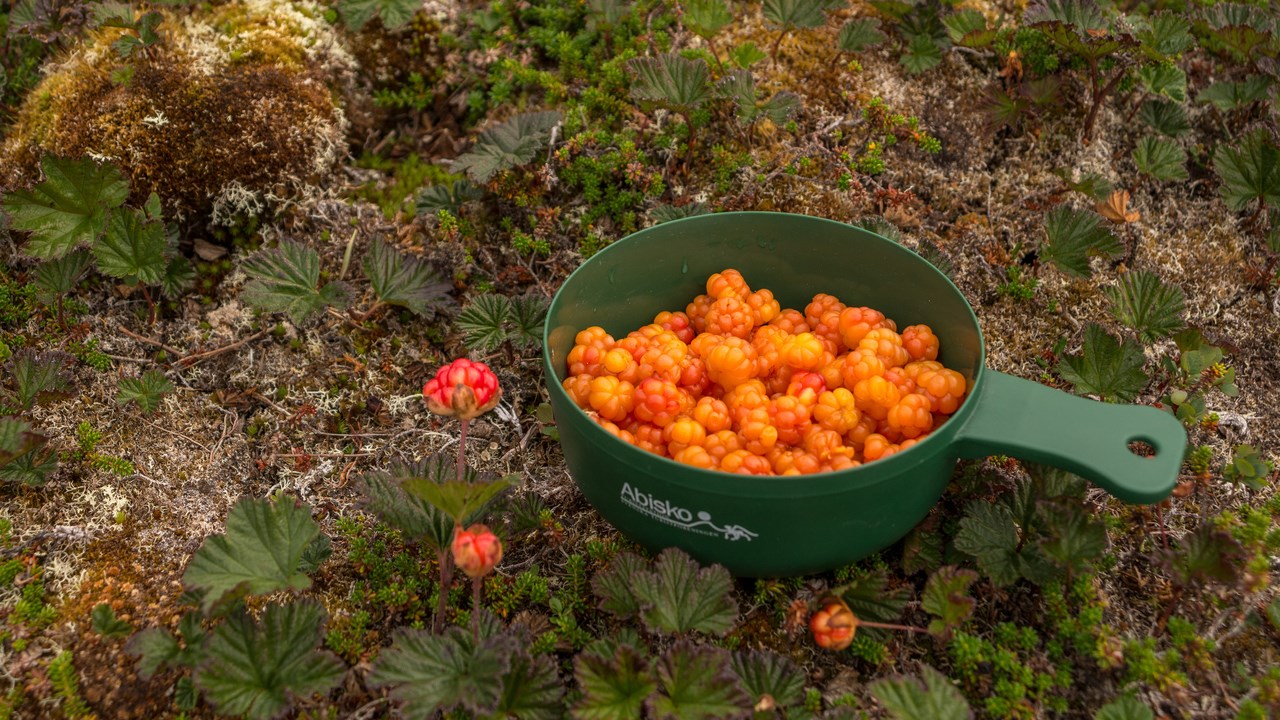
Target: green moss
407, 176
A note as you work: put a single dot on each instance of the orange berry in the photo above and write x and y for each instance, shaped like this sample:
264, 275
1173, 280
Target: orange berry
790, 321
856, 322
731, 362
648, 437
757, 432
588, 359
825, 444
898, 376
913, 369
857, 436
745, 463
678, 323
721, 443
839, 462
806, 386
578, 388
920, 342
875, 395
660, 401
619, 362
887, 345
836, 410
697, 312
712, 414
876, 447
804, 352
912, 416
727, 283
944, 388
695, 456
612, 428
860, 365
763, 306
730, 316
682, 433
790, 416
594, 335
612, 398
820, 306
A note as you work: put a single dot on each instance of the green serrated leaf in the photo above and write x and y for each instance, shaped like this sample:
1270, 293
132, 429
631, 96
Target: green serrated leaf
859, 34
394, 13
528, 319
459, 500
1090, 184
430, 673
946, 595
508, 145
1105, 367
1238, 28
1165, 36
791, 14
667, 213
672, 81
1228, 96
132, 249
36, 378
156, 648
260, 552
60, 276
147, 391
1073, 537
1125, 707
18, 438
405, 281
933, 699
448, 197
31, 468
103, 620
1165, 79
768, 675
1074, 235
285, 279
1250, 171
922, 54
870, 597
696, 682
614, 685
1165, 117
256, 669
413, 516
968, 28
178, 277
987, 533
1145, 303
69, 208
484, 322
746, 55
1161, 158
531, 689
1205, 555
706, 17
922, 548
677, 596
613, 585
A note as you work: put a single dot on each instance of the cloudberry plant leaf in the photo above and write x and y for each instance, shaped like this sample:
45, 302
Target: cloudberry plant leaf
696, 682
1074, 235
1164, 36
132, 248
705, 18
1165, 117
946, 595
1125, 707
667, 213
447, 197
936, 256
1247, 467
395, 14
1273, 614
287, 279
36, 378
922, 54
508, 145
932, 697
1145, 303
614, 685
418, 519
672, 81
31, 468
528, 319
1073, 539
767, 674
870, 597
988, 534
1001, 108
678, 596
405, 281
459, 500
613, 585
1250, 171
739, 87
531, 689
69, 208
430, 673
1203, 555
1090, 184
17, 438
156, 649
922, 547
1161, 158
860, 34
794, 14
1235, 29
256, 668
178, 277
1228, 96
60, 276
47, 20
260, 553
1165, 79
1105, 367
746, 55
968, 28
483, 322
147, 390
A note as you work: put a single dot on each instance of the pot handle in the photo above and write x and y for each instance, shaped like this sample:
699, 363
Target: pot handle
1034, 422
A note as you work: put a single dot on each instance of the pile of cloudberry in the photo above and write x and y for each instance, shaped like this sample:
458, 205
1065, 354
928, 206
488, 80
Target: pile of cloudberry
738, 384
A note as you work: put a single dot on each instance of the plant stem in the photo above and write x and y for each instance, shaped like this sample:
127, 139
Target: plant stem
476, 585
891, 626
151, 306
777, 44
1096, 99
462, 453
445, 559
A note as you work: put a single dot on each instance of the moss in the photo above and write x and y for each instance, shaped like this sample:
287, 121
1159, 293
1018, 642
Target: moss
232, 109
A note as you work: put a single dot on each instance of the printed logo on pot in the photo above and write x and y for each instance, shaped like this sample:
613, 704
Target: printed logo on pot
672, 514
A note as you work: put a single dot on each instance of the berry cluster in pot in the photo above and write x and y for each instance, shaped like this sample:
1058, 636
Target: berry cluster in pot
736, 383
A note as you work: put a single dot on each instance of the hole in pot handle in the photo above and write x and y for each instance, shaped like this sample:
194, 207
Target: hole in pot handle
1025, 419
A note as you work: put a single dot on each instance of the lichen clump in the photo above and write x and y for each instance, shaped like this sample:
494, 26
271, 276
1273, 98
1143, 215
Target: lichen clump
233, 109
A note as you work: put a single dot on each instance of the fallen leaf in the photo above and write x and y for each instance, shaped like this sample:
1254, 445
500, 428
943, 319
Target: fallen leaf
1116, 208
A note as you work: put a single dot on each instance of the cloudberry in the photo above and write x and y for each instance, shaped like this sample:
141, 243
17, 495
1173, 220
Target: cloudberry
912, 416
833, 373
944, 388
660, 401
731, 362
727, 283
898, 376
790, 416
806, 386
579, 388
876, 447
712, 414
839, 462
790, 321
594, 335
860, 365
612, 428
648, 437
696, 456
804, 352
920, 342
611, 398
913, 369
697, 312
857, 436
820, 306
678, 323
745, 463
693, 375
763, 306
825, 444
757, 432
721, 443
836, 410
682, 433
768, 342
730, 316
887, 345
856, 322
588, 359
875, 395
702, 344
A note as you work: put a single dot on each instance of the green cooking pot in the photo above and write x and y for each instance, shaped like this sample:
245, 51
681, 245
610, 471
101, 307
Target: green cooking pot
760, 526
